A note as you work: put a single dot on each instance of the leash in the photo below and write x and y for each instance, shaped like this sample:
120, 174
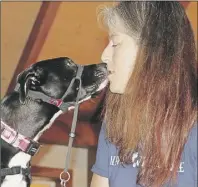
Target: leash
71, 134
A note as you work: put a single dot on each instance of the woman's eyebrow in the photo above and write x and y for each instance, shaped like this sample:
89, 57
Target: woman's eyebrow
112, 35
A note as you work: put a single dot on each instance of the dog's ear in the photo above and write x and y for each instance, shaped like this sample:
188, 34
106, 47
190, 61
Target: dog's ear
24, 79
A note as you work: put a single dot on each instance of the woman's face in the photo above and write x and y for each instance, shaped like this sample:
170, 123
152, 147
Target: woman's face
120, 55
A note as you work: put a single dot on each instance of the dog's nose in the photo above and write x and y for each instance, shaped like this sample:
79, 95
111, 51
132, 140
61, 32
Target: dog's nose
102, 67
102, 64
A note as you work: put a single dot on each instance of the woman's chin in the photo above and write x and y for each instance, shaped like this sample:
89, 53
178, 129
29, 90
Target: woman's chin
115, 89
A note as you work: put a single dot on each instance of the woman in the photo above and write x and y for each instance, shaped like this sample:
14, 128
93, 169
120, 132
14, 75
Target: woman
149, 134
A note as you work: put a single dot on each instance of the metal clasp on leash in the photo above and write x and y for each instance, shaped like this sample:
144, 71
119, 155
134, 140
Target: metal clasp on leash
64, 181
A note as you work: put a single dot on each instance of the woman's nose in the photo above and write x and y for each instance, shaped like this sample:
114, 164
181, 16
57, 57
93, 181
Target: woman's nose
106, 55
104, 58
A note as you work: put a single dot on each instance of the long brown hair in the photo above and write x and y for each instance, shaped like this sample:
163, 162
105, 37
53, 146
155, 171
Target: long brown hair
158, 108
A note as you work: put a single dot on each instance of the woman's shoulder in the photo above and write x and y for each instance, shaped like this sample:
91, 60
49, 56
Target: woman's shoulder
191, 144
192, 138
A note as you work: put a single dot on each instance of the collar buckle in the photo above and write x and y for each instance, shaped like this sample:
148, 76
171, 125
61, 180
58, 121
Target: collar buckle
32, 148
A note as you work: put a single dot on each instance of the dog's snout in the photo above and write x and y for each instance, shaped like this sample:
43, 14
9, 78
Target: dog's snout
103, 65
102, 68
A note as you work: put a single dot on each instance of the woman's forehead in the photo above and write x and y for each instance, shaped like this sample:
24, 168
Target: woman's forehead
113, 32
118, 30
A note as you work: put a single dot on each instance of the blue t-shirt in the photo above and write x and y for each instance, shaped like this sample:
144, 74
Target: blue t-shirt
108, 164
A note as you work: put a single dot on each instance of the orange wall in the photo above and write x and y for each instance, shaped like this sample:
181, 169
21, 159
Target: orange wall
75, 33
192, 12
17, 19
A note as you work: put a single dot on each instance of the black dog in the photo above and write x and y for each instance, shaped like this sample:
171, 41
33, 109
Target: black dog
30, 117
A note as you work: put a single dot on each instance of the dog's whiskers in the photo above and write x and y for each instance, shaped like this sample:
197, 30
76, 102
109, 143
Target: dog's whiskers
99, 74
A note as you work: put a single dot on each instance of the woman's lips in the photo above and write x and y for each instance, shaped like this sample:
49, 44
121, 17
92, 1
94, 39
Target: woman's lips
110, 72
110, 75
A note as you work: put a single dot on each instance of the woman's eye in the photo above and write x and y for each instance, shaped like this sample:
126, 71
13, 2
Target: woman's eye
114, 45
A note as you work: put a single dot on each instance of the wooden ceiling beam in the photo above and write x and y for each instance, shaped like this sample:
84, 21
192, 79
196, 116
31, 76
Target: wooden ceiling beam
36, 39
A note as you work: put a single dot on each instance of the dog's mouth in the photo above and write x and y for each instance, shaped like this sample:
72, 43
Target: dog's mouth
92, 91
96, 88
95, 79
102, 85
101, 81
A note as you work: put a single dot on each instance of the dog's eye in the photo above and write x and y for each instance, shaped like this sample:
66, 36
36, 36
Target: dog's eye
34, 81
68, 64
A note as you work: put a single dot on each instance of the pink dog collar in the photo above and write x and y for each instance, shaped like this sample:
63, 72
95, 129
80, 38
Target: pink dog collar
17, 140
